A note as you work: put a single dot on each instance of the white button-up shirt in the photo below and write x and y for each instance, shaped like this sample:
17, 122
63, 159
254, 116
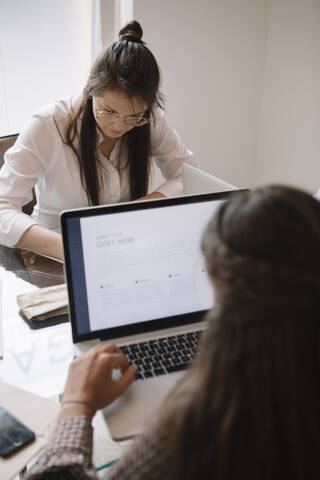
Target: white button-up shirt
40, 158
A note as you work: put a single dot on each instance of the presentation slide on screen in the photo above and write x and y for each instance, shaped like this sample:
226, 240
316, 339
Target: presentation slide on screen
145, 264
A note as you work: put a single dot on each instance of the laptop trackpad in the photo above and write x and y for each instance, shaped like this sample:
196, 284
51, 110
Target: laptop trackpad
128, 415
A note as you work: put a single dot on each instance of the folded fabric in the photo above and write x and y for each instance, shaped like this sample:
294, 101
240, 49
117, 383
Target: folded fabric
53, 313
44, 302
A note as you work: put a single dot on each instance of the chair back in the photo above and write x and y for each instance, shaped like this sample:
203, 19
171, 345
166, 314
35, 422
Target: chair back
5, 143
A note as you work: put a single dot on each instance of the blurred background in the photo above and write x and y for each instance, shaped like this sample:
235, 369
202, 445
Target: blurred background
241, 77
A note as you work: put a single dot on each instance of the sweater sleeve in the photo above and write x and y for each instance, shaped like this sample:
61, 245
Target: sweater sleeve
68, 453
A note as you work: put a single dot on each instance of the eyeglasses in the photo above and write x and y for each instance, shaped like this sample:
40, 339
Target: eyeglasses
109, 117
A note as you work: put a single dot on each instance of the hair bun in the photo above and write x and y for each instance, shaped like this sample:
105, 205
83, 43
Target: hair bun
131, 31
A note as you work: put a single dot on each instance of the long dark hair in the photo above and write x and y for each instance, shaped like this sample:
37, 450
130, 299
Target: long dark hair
250, 405
129, 66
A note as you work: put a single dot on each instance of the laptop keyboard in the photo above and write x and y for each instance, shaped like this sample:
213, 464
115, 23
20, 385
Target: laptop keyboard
163, 355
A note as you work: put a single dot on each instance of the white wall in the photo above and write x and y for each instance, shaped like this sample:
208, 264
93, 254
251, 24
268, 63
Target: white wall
211, 53
108, 15
242, 79
45, 53
289, 131
241, 76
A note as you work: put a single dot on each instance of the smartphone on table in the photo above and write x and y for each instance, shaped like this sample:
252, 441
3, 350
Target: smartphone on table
13, 434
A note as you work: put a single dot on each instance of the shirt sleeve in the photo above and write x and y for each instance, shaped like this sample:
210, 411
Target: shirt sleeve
68, 453
317, 195
24, 164
169, 153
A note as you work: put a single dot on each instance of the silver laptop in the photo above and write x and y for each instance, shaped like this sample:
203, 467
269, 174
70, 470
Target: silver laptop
136, 277
197, 181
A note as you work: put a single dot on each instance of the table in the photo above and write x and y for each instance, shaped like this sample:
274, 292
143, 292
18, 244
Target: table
38, 360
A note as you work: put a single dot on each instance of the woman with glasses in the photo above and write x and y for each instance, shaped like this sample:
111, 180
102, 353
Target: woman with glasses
91, 149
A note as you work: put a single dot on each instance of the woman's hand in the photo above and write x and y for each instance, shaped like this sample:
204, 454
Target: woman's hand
152, 196
90, 380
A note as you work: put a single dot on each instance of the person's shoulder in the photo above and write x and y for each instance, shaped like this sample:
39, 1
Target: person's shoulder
47, 121
67, 106
59, 110
158, 114
158, 120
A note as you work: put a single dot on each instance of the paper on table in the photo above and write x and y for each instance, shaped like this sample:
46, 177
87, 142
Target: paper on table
37, 413
39, 302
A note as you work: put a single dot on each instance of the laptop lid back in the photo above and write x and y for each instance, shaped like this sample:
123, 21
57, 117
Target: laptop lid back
197, 181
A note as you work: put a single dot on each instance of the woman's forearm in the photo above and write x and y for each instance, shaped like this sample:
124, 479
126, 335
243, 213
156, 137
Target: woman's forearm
41, 240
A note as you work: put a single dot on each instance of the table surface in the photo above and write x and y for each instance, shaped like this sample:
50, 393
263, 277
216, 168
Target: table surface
38, 360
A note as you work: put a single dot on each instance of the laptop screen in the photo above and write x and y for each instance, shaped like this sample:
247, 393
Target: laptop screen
137, 266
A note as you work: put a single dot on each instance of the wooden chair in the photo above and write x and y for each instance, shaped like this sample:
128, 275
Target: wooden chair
5, 144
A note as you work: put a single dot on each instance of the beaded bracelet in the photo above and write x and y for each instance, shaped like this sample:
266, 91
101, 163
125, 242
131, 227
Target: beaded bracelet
84, 402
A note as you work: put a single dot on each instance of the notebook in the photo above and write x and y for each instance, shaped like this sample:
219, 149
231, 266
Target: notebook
136, 277
197, 181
